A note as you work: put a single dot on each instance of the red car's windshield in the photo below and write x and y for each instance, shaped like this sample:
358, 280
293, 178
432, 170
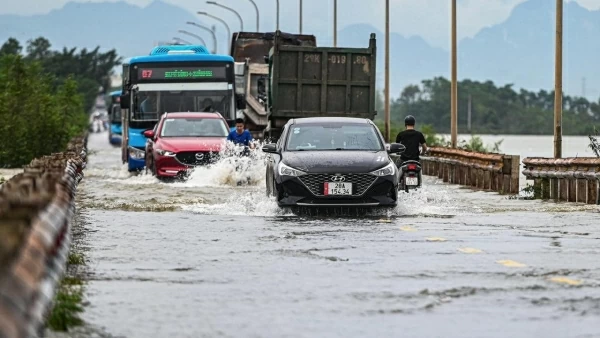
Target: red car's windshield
194, 127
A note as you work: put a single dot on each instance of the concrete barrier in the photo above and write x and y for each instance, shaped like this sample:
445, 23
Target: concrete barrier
491, 172
564, 179
36, 208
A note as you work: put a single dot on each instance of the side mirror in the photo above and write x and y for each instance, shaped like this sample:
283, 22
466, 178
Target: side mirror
230, 123
396, 148
124, 101
149, 133
270, 148
240, 101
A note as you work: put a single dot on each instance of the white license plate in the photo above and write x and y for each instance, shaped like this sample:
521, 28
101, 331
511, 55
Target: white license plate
334, 188
412, 181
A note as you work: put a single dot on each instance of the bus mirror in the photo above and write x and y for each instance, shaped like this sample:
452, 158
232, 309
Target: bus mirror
241, 102
125, 101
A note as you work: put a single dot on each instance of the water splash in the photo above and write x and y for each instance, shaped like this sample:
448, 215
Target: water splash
231, 169
431, 199
434, 200
242, 204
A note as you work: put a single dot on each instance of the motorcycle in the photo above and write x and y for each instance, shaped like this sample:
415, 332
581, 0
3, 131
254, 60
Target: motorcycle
410, 178
97, 124
243, 159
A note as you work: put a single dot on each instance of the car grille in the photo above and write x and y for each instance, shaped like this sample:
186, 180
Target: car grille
189, 157
360, 182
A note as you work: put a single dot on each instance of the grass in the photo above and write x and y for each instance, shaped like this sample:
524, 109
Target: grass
75, 259
67, 305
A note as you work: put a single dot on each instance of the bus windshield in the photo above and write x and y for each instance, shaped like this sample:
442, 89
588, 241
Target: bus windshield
149, 105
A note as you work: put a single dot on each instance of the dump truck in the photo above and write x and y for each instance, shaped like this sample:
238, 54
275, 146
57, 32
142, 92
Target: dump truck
284, 76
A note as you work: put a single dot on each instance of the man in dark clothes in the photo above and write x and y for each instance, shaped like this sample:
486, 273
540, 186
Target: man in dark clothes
411, 139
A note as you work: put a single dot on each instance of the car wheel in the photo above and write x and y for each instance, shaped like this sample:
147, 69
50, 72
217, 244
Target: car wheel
146, 166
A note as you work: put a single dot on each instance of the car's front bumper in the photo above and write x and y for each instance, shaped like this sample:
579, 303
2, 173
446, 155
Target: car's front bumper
167, 166
171, 166
296, 191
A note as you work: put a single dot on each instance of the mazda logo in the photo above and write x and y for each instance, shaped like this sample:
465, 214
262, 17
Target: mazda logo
338, 178
199, 156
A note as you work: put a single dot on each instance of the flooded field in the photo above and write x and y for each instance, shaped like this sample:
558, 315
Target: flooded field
206, 258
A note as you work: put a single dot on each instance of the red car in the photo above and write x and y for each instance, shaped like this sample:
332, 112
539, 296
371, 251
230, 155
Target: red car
181, 141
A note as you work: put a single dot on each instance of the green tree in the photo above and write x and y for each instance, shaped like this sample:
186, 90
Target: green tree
45, 95
38, 49
495, 109
12, 46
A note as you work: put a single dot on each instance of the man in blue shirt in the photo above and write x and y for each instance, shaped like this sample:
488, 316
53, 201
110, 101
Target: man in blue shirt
240, 136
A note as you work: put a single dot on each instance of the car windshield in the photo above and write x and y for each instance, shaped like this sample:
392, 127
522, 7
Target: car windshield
116, 114
149, 105
194, 127
334, 136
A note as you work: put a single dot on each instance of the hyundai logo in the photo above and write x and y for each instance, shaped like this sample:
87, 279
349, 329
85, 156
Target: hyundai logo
199, 156
338, 178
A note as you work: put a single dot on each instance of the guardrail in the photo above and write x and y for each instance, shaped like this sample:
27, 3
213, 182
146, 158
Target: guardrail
36, 208
492, 172
564, 179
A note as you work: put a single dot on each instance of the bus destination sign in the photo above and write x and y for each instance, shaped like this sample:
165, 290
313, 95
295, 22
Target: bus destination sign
180, 73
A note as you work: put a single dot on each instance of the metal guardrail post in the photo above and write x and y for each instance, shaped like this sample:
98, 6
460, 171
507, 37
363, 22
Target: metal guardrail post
489, 172
576, 178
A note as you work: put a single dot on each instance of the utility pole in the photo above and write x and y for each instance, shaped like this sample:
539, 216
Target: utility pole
387, 70
558, 81
300, 18
454, 88
335, 23
469, 114
277, 15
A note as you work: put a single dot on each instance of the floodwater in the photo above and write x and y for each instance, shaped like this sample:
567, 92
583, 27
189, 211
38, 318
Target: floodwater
207, 258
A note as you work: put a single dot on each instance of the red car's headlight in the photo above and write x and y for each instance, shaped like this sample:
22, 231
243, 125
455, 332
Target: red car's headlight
165, 153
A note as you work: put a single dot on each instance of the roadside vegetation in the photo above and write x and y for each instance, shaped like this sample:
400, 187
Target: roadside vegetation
595, 142
67, 305
68, 300
45, 95
495, 110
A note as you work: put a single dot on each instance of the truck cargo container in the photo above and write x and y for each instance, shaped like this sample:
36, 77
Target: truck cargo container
285, 76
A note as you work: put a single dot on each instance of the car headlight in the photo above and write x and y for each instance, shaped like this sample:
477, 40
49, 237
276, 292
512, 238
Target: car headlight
136, 153
162, 152
388, 170
285, 170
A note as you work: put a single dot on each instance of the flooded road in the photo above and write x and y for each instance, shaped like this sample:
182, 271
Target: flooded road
206, 258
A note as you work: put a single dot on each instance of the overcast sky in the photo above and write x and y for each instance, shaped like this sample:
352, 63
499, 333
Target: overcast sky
427, 18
